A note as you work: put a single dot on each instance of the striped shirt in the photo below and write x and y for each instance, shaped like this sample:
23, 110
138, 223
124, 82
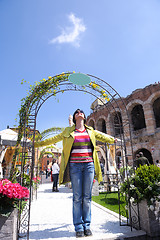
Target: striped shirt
82, 147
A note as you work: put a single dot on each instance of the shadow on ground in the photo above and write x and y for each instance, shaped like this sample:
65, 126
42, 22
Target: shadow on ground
52, 233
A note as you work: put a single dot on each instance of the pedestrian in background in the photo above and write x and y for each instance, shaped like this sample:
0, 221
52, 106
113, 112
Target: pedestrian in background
55, 174
46, 172
80, 164
140, 160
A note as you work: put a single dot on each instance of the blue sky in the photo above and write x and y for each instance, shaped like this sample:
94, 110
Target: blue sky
118, 41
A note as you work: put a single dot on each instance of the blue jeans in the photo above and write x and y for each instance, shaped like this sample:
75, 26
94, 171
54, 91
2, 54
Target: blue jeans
82, 175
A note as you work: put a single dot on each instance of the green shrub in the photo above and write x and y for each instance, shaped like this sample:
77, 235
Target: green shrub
144, 184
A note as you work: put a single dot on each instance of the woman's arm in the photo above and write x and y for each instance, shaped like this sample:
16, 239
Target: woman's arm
103, 137
49, 141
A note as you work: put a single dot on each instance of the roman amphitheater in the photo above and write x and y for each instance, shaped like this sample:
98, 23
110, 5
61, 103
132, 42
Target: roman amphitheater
143, 112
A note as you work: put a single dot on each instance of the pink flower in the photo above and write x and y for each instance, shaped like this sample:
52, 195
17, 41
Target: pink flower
1, 187
13, 190
36, 179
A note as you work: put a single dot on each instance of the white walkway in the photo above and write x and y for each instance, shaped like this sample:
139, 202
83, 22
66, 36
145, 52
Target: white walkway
51, 218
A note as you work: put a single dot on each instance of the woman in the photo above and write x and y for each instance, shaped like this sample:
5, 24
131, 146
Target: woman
79, 164
55, 174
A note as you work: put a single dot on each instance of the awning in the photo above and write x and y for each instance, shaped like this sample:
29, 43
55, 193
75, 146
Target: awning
9, 137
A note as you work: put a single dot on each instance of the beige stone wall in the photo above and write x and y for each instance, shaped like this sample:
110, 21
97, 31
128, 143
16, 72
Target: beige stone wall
147, 138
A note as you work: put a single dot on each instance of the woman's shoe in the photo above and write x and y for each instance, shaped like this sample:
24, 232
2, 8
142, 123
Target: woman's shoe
87, 232
79, 234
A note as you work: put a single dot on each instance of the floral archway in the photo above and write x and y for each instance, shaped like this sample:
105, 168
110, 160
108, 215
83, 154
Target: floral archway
51, 87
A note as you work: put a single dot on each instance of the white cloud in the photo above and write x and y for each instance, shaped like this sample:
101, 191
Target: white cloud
71, 34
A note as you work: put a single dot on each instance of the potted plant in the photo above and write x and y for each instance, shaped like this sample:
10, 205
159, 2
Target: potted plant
10, 196
143, 188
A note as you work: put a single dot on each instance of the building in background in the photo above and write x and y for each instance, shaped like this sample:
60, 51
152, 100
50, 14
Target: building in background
143, 107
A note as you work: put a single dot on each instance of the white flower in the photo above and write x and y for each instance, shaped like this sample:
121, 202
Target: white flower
158, 184
149, 187
152, 199
132, 186
132, 199
151, 207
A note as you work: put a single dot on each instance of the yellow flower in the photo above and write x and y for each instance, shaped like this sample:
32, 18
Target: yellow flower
94, 85
73, 71
49, 77
90, 83
105, 95
44, 79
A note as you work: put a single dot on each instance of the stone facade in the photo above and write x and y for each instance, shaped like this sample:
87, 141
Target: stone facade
136, 117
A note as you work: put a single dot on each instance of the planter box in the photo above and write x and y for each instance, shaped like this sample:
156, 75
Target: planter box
8, 226
149, 222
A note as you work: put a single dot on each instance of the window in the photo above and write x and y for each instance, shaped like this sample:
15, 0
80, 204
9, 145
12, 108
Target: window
101, 125
137, 116
118, 126
156, 110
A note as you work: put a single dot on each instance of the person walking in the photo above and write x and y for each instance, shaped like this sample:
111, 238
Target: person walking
80, 165
140, 160
46, 172
55, 174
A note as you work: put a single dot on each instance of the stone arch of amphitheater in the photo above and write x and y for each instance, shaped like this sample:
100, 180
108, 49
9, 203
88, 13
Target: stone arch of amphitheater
143, 106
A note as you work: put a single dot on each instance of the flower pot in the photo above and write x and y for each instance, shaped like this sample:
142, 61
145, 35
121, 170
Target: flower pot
8, 226
149, 220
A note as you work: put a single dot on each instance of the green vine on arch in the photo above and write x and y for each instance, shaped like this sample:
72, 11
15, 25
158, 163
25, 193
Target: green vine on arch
48, 132
43, 89
44, 153
36, 92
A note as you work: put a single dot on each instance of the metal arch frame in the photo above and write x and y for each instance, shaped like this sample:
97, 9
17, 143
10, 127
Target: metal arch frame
30, 122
